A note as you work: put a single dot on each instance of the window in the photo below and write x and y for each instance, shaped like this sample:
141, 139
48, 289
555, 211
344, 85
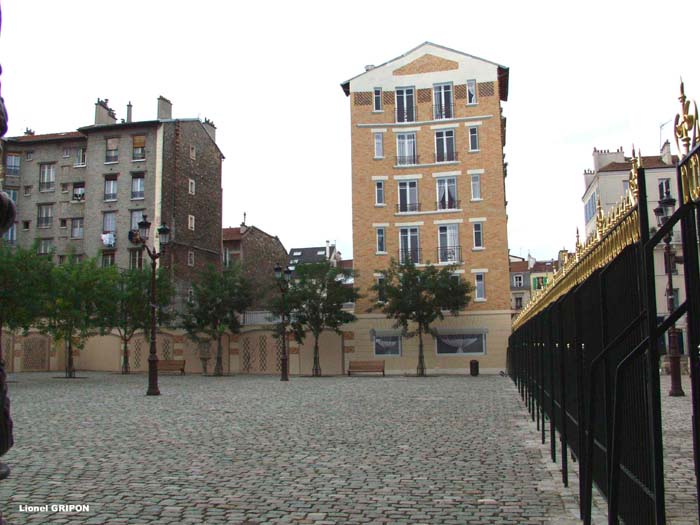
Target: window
379, 192
664, 188
64, 187
12, 194
474, 138
381, 290
10, 235
136, 217
405, 105
408, 196
378, 145
460, 344
409, 245
66, 153
12, 164
193, 152
61, 260
518, 280
539, 282
442, 100
107, 259
76, 228
47, 177
387, 345
377, 99
29, 155
110, 188
445, 146
137, 185
44, 216
25, 225
81, 157
478, 234
448, 243
112, 150
138, 147
518, 302
192, 187
670, 263
625, 187
381, 240
78, 258
27, 191
63, 223
471, 92
480, 286
109, 222
447, 193
190, 222
190, 258
136, 259
476, 187
45, 246
78, 191
590, 208
406, 149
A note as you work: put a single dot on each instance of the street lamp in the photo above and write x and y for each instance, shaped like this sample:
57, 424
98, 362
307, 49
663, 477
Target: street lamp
140, 236
663, 212
283, 278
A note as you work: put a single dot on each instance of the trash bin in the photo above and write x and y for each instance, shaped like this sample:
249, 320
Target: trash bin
474, 367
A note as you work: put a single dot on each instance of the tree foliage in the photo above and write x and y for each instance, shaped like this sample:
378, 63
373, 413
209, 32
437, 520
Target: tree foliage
218, 299
419, 297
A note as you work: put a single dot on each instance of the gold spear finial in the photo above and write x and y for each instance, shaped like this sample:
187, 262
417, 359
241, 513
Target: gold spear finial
686, 123
599, 219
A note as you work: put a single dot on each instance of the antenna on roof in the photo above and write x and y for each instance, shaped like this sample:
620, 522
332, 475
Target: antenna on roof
661, 126
244, 216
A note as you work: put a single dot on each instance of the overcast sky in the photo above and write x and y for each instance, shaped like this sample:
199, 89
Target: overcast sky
582, 75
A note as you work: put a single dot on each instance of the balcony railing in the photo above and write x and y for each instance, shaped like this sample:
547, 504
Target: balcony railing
448, 204
137, 194
407, 207
110, 196
443, 111
252, 317
44, 222
410, 255
449, 254
445, 156
112, 156
406, 114
406, 160
12, 170
47, 186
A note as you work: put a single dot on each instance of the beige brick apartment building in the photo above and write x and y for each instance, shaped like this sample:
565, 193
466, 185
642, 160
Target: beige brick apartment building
428, 185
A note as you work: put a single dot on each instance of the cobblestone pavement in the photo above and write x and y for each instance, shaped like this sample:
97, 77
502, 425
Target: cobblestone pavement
439, 450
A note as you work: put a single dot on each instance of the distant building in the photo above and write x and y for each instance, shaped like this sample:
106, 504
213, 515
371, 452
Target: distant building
314, 254
79, 193
519, 283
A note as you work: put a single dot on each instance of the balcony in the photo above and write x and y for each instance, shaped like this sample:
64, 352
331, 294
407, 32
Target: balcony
448, 203
443, 111
445, 156
412, 255
449, 254
406, 114
44, 222
407, 160
407, 207
47, 186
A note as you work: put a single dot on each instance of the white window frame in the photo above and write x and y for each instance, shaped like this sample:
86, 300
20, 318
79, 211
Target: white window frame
446, 136
378, 144
134, 186
473, 138
518, 280
448, 243
190, 222
44, 211
135, 216
379, 191
374, 346
407, 109
666, 184
410, 248
476, 184
446, 181
47, 177
472, 82
409, 203
192, 187
404, 152
13, 167
114, 158
77, 225
478, 231
381, 240
45, 246
80, 157
105, 215
193, 152
136, 259
479, 293
439, 91
190, 258
377, 97
112, 184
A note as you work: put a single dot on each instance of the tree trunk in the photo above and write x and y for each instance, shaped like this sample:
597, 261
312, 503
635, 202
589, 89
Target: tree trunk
316, 371
70, 371
219, 367
2, 355
421, 358
125, 363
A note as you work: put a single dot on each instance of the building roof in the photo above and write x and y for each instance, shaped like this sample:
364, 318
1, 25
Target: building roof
651, 162
231, 234
518, 266
346, 264
503, 72
314, 254
544, 266
46, 137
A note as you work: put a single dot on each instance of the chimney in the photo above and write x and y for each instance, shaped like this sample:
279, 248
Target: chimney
104, 115
328, 250
603, 157
128, 112
666, 156
165, 108
210, 128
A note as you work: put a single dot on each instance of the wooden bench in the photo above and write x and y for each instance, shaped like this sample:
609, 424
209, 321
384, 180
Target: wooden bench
366, 367
171, 365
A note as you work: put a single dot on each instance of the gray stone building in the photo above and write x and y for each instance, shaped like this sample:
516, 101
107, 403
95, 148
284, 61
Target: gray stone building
79, 193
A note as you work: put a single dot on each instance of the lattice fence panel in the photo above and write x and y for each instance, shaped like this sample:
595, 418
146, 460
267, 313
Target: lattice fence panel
363, 98
278, 361
486, 89
461, 91
388, 98
138, 344
36, 353
245, 354
425, 95
262, 348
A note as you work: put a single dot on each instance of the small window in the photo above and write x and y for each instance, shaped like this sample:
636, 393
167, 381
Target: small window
321, 252
190, 258
193, 152
107, 259
27, 191
66, 153
377, 99
381, 240
112, 150
518, 280
45, 246
63, 223
78, 191
379, 145
471, 92
81, 157
381, 292
76, 228
29, 155
25, 225
478, 235
296, 253
110, 188
518, 303
192, 187
137, 185
64, 187
136, 259
379, 192
664, 188
480, 286
190, 222
625, 186
387, 345
474, 138
61, 260
476, 187
138, 147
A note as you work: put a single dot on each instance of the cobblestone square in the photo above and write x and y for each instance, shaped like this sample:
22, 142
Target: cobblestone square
449, 450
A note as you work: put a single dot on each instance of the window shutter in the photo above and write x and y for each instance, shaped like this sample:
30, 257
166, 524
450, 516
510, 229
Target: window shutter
140, 141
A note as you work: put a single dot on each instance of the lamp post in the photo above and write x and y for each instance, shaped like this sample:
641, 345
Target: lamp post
283, 278
140, 236
664, 210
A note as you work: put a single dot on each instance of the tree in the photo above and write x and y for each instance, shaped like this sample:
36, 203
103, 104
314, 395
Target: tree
22, 287
130, 307
316, 298
409, 295
218, 298
78, 294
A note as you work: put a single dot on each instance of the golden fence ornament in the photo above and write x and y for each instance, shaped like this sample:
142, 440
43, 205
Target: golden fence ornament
687, 134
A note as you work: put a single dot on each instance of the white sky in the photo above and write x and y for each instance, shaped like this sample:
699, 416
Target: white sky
582, 75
